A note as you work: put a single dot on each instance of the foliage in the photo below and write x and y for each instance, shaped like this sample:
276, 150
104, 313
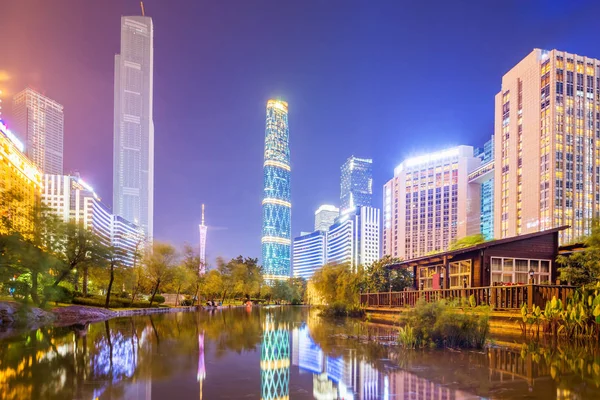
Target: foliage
467, 241
99, 301
406, 337
186, 302
379, 278
159, 299
583, 267
160, 263
441, 324
579, 317
58, 294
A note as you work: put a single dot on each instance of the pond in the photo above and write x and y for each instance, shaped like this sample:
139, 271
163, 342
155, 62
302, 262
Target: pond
275, 353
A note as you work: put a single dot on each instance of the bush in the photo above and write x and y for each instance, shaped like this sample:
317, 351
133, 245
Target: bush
97, 301
339, 309
159, 299
186, 302
441, 324
123, 295
58, 294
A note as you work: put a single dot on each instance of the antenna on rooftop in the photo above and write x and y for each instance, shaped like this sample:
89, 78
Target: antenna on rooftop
142, 5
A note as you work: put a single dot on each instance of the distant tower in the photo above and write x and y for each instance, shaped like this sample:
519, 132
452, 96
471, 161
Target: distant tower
276, 204
203, 229
275, 360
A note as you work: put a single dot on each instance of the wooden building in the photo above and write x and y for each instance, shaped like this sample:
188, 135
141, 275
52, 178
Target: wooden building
509, 261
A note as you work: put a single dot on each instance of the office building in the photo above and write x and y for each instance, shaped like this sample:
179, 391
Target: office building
21, 178
275, 360
325, 217
276, 204
39, 121
547, 158
356, 186
309, 253
73, 200
429, 203
354, 238
484, 177
133, 153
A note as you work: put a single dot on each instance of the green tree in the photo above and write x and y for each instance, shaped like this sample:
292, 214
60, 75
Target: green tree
159, 265
378, 277
583, 267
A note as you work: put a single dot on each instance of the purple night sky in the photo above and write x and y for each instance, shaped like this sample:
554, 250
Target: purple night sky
379, 79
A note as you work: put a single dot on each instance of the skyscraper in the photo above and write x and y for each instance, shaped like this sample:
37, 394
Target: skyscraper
309, 253
325, 217
484, 176
276, 204
356, 184
203, 228
39, 120
429, 203
275, 360
133, 158
547, 156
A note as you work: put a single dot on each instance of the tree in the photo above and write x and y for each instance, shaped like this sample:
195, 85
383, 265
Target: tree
114, 258
191, 262
182, 278
298, 286
583, 267
380, 278
159, 265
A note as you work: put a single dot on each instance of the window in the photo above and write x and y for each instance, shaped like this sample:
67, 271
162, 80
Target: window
516, 271
460, 273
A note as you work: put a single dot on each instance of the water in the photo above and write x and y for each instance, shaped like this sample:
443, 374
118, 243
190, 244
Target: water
275, 353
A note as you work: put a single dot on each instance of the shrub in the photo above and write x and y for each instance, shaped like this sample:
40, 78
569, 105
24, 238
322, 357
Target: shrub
159, 299
440, 324
123, 295
186, 302
58, 294
339, 309
97, 301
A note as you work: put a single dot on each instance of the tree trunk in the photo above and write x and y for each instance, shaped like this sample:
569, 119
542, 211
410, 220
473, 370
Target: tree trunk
154, 292
177, 297
34, 288
223, 299
110, 283
84, 286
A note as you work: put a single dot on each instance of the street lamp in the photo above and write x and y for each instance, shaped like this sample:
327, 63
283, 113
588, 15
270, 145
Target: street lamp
531, 273
442, 279
464, 282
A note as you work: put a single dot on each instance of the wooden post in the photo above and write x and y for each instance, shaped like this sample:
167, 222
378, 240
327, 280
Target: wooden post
390, 298
493, 296
530, 296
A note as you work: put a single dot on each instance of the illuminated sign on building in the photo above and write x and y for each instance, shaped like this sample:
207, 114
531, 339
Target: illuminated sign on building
12, 137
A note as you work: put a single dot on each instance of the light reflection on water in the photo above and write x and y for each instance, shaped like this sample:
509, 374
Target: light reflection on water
273, 354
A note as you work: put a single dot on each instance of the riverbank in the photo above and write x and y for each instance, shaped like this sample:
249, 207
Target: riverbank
16, 317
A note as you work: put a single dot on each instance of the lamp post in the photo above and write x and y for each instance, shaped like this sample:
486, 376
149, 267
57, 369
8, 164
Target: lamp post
464, 282
442, 279
531, 273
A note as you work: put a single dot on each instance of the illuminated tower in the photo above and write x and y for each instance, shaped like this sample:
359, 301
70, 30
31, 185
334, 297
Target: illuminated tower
201, 374
133, 142
356, 185
276, 205
203, 229
275, 361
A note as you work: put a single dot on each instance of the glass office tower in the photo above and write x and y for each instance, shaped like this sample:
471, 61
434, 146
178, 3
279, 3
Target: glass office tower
356, 188
276, 204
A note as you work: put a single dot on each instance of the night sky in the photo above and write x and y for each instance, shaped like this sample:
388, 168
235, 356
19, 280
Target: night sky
379, 79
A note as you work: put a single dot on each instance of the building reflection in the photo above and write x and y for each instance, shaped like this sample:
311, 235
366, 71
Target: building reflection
275, 360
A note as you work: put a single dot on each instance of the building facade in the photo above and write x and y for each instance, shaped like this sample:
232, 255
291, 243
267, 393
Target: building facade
310, 252
354, 238
203, 229
40, 122
73, 200
325, 217
133, 153
547, 126
21, 184
356, 186
484, 176
429, 203
276, 203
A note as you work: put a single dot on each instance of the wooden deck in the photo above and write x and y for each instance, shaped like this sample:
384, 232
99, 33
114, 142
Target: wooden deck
498, 297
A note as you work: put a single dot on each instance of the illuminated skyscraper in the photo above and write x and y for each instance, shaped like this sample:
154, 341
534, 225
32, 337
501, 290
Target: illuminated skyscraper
133, 158
203, 229
275, 361
276, 204
40, 122
325, 217
547, 127
356, 188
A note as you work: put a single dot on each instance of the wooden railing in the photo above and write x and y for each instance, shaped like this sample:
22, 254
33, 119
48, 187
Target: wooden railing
498, 297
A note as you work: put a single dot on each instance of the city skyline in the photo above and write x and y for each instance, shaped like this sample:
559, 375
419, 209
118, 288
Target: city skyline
381, 125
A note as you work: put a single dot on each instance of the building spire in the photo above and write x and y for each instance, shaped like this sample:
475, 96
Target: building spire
142, 6
202, 214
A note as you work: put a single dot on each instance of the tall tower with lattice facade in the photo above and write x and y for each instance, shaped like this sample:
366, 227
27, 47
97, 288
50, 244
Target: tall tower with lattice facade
276, 204
275, 361
203, 230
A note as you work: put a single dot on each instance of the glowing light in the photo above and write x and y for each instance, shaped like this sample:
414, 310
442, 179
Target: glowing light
327, 207
428, 158
278, 104
278, 164
12, 137
274, 239
277, 202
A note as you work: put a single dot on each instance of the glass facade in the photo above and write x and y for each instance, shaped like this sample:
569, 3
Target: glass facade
487, 192
275, 361
356, 187
309, 253
276, 204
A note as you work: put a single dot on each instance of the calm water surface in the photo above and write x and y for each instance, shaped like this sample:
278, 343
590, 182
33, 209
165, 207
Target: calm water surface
274, 353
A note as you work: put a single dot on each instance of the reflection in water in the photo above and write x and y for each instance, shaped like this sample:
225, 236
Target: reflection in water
275, 360
296, 354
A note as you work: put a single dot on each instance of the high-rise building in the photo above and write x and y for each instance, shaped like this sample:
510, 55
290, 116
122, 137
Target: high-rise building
309, 253
484, 176
21, 178
203, 230
276, 204
73, 200
429, 203
547, 156
133, 154
354, 238
325, 217
40, 122
356, 187
275, 360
